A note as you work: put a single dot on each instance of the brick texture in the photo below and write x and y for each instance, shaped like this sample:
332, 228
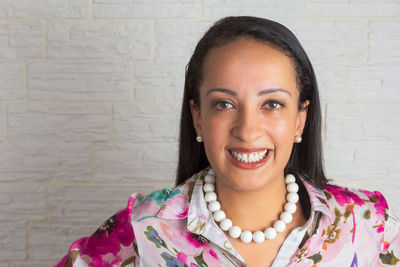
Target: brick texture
19, 41
27, 162
165, 76
145, 123
2, 123
18, 204
12, 80
269, 9
80, 80
91, 90
154, 161
44, 8
145, 9
99, 40
358, 9
359, 144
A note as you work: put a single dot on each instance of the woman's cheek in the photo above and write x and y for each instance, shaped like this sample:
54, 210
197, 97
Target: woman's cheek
282, 131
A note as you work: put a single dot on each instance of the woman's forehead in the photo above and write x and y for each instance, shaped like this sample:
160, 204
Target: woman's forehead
246, 62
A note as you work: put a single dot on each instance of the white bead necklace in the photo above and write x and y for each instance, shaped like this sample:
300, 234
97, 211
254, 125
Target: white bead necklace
246, 236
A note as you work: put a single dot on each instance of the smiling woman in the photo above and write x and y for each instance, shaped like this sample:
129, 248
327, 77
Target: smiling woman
251, 189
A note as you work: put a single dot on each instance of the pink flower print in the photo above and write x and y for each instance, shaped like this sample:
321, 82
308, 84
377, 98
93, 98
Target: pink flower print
380, 228
184, 214
379, 201
182, 257
212, 253
175, 207
198, 246
343, 195
211, 257
196, 240
108, 238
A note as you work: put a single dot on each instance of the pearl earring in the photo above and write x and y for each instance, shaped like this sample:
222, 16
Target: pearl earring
298, 139
199, 139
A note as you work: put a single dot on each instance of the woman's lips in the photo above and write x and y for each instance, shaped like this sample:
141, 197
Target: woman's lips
249, 158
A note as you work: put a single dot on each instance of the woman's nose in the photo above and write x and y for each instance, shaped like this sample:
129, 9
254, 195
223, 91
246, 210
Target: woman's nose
248, 126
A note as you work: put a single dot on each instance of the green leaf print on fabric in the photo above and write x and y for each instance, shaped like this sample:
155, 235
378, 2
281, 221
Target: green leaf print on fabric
389, 258
316, 257
160, 196
347, 211
304, 240
322, 201
73, 256
135, 248
200, 261
129, 261
154, 237
367, 214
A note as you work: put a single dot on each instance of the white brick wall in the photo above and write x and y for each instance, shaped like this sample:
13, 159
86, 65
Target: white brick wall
90, 94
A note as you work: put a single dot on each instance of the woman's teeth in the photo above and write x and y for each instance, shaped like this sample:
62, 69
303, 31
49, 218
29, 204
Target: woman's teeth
249, 157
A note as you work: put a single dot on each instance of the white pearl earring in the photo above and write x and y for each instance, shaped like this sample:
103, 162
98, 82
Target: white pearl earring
199, 139
298, 139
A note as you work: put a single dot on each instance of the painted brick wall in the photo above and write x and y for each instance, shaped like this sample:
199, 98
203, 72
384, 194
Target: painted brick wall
90, 94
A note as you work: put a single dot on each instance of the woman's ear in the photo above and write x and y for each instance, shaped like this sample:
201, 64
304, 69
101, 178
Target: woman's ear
195, 110
301, 118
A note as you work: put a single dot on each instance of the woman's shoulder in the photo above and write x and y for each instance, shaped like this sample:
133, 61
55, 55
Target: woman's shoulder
168, 203
143, 206
115, 239
365, 211
371, 204
359, 226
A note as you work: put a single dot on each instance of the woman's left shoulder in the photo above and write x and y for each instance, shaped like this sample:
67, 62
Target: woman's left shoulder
367, 203
362, 220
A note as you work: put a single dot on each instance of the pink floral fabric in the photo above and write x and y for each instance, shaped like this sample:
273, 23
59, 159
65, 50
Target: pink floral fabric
174, 228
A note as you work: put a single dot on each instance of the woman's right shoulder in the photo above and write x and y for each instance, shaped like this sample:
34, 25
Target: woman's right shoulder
149, 205
114, 241
167, 203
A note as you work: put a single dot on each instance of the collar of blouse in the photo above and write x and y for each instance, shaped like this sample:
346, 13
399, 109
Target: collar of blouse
187, 202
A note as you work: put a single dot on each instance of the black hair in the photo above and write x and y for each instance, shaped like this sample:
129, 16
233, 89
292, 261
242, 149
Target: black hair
306, 159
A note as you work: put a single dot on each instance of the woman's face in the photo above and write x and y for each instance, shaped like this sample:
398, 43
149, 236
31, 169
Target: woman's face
248, 115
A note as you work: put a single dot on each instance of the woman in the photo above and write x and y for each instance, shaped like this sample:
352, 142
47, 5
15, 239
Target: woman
250, 158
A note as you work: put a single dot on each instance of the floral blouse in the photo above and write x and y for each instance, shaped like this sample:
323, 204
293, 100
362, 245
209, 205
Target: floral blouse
174, 228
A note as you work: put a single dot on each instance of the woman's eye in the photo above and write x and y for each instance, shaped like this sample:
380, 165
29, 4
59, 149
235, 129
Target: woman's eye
273, 105
222, 105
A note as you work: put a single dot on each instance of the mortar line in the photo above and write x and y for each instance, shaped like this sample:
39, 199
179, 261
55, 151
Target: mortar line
92, 164
367, 47
153, 41
46, 34
26, 93
28, 240
325, 120
91, 9
46, 203
5, 122
132, 83
201, 9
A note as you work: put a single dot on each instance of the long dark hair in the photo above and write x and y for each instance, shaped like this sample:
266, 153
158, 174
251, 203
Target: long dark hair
306, 157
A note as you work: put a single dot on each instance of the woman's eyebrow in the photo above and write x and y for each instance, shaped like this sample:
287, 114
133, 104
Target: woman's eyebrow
262, 92
274, 90
222, 90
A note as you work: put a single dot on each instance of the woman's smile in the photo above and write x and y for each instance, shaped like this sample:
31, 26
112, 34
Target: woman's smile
249, 158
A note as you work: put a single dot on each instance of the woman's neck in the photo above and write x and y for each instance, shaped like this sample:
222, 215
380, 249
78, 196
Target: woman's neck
253, 210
